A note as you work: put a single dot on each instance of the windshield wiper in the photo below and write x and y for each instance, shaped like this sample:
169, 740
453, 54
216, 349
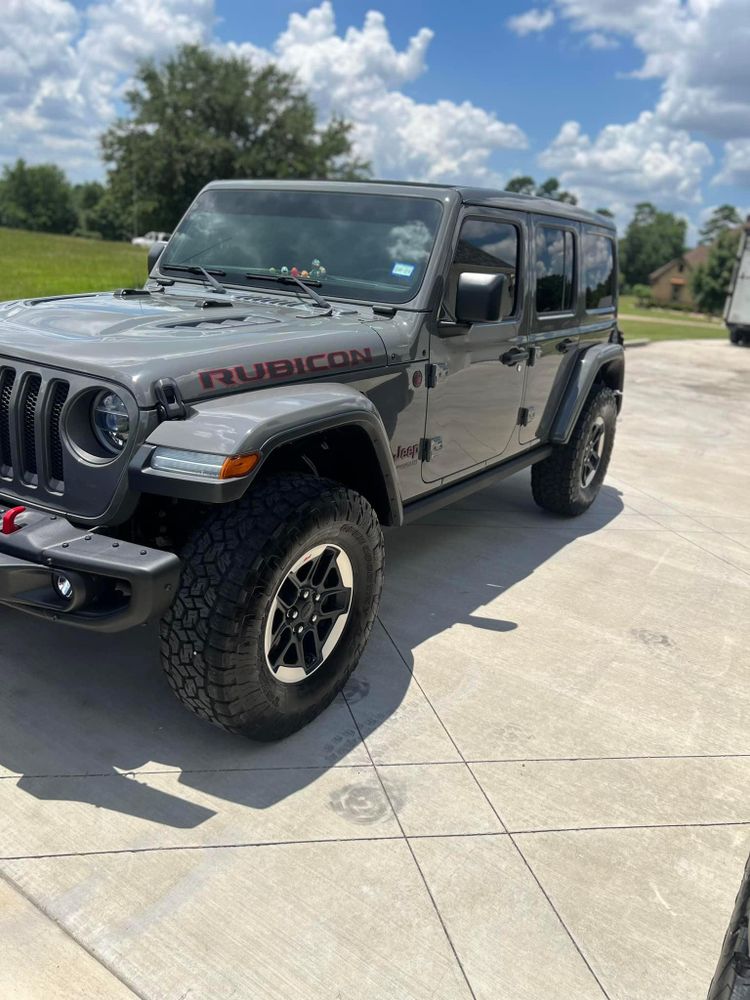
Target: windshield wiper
197, 269
292, 279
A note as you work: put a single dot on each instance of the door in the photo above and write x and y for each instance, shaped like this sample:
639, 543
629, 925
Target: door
554, 329
474, 396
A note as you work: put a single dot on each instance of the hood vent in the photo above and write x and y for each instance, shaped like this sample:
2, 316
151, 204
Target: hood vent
230, 321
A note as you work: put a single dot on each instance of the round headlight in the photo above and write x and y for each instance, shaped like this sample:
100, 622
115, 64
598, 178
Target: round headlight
109, 417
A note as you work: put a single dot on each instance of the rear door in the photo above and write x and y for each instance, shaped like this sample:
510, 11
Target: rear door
554, 322
474, 397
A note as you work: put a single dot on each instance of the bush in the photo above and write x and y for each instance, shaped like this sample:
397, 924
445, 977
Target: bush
643, 296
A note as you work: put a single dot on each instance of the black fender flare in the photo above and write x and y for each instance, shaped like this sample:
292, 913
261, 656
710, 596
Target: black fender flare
259, 422
604, 362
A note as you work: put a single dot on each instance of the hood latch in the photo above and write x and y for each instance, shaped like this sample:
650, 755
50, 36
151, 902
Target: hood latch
169, 402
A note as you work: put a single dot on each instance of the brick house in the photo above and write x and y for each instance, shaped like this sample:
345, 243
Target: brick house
670, 283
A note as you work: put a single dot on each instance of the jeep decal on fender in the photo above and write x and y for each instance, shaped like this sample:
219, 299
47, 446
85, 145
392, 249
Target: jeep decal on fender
265, 371
406, 455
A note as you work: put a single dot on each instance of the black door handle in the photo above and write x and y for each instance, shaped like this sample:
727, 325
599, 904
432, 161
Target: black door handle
564, 346
514, 356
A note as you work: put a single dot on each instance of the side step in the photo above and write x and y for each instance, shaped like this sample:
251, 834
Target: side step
457, 491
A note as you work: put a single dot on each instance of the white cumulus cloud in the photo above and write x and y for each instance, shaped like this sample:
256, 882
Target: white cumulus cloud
358, 74
643, 160
531, 21
63, 71
699, 51
736, 166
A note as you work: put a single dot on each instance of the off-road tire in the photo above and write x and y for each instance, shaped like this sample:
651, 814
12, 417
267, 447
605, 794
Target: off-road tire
212, 637
556, 481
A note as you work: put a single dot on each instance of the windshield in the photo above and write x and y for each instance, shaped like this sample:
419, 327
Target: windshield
357, 246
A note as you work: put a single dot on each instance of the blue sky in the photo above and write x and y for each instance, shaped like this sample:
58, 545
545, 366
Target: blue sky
624, 101
474, 56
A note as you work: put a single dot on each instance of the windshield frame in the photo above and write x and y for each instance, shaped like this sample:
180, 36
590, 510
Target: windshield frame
448, 199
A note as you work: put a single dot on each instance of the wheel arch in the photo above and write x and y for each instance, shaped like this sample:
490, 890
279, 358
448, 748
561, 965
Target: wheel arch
601, 364
332, 430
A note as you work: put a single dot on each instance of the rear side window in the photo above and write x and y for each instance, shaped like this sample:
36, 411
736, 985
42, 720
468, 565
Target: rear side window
598, 271
555, 270
491, 247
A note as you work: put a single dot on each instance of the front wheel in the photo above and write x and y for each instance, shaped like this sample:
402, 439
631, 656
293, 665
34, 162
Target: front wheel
277, 599
569, 480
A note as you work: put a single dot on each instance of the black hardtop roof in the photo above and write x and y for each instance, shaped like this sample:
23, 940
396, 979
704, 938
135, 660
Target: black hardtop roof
490, 197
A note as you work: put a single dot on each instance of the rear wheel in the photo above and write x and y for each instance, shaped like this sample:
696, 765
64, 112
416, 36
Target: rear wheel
735, 335
569, 480
277, 600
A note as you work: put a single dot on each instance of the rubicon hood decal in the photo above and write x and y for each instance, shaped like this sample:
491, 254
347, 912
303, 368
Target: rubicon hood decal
280, 368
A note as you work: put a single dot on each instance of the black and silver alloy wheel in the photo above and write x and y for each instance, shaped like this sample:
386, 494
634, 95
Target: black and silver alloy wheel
277, 599
309, 613
569, 480
593, 451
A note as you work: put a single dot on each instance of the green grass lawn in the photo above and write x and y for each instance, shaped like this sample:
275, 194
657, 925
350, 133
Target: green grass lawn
670, 331
627, 305
45, 264
681, 325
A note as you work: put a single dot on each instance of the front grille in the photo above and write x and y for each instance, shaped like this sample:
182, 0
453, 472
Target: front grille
59, 395
7, 378
30, 440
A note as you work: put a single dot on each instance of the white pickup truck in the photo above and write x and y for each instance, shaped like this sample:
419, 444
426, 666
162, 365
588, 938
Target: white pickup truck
149, 239
737, 307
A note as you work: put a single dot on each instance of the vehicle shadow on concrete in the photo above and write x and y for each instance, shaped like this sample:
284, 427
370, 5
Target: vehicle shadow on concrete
445, 569
77, 705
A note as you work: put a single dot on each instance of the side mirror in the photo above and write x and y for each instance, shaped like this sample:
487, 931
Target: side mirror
155, 253
479, 297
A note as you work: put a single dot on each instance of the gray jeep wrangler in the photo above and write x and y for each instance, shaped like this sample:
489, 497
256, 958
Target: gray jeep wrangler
307, 362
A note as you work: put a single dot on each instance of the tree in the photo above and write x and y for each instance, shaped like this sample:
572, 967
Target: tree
605, 211
521, 185
710, 281
86, 197
38, 198
723, 217
110, 218
548, 189
551, 189
202, 116
652, 238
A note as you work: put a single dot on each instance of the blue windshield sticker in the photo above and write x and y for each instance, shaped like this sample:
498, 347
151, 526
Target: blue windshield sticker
402, 270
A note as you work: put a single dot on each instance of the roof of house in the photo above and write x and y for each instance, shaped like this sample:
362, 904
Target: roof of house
698, 255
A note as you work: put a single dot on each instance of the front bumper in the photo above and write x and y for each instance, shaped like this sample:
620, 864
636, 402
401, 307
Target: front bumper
115, 584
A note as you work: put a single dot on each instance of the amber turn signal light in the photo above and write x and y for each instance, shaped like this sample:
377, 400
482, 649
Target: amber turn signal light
238, 465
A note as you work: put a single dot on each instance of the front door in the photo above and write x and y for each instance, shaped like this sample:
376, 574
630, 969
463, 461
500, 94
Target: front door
474, 397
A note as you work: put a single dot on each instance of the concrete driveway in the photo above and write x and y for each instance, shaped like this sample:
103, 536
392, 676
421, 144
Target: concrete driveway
535, 786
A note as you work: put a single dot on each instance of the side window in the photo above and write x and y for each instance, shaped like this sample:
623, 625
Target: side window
489, 247
555, 270
598, 271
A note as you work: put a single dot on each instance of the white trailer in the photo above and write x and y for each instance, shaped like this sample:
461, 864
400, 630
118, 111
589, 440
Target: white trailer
737, 306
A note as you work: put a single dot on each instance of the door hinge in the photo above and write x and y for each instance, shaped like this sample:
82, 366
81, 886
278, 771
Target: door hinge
428, 447
435, 373
525, 415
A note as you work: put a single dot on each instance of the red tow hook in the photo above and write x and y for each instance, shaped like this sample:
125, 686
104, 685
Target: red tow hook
9, 520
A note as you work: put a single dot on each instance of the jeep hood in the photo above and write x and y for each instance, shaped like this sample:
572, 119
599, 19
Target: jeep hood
136, 339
